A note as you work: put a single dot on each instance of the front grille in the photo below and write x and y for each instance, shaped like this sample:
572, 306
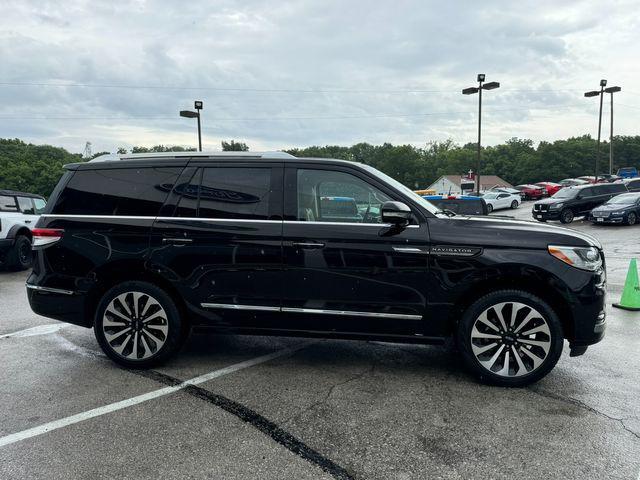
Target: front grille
601, 214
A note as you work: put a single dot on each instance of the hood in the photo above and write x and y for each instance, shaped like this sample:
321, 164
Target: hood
550, 201
611, 207
504, 232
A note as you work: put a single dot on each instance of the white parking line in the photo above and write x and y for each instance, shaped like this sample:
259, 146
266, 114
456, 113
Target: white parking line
33, 331
112, 407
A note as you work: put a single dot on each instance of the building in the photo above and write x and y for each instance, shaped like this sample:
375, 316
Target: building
458, 184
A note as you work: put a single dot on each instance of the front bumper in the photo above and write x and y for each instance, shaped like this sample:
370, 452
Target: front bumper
546, 214
609, 219
6, 244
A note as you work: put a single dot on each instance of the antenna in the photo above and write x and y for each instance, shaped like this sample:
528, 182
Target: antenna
87, 154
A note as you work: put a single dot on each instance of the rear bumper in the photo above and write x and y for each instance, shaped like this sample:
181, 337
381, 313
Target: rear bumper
59, 304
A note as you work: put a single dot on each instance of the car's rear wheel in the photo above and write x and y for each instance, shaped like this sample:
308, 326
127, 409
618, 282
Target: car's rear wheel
138, 325
631, 219
20, 256
566, 216
489, 208
510, 338
514, 204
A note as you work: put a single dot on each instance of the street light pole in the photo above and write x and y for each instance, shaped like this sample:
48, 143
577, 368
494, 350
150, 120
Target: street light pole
198, 106
479, 133
594, 93
190, 114
611, 90
469, 91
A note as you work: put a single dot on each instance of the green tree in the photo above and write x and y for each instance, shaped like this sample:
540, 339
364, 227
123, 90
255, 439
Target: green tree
234, 146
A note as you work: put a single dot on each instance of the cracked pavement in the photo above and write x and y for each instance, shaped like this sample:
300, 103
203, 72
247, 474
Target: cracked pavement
376, 410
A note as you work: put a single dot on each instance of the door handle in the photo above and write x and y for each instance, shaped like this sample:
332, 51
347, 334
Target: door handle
177, 241
27, 221
308, 245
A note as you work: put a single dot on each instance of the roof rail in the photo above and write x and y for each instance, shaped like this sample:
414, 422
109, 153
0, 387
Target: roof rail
111, 157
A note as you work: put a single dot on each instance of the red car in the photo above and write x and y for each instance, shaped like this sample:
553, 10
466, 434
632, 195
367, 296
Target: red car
530, 192
550, 187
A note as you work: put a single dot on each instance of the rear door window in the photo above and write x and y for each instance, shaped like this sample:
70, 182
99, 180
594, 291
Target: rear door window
235, 192
8, 204
26, 205
117, 191
617, 188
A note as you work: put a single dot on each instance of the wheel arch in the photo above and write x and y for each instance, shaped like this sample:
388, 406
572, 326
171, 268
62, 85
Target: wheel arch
17, 230
527, 278
113, 273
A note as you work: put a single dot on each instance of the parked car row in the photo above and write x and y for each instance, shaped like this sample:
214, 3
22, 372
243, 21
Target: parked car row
600, 203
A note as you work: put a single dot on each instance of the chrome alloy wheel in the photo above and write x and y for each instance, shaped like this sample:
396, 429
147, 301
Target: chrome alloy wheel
510, 339
135, 325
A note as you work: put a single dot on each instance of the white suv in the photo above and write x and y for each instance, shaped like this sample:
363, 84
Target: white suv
19, 212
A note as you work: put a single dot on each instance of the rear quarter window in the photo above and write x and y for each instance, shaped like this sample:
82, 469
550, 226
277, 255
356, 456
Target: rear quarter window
117, 191
8, 204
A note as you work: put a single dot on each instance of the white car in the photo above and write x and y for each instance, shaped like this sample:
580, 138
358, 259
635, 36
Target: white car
19, 212
498, 200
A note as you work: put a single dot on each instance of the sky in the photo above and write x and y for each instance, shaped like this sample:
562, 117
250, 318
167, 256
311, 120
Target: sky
284, 74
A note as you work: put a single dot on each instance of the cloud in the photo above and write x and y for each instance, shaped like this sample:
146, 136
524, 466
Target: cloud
308, 72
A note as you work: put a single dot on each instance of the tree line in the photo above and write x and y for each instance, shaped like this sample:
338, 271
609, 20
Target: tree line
37, 168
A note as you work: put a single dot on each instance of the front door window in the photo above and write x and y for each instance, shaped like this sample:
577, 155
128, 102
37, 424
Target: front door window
332, 196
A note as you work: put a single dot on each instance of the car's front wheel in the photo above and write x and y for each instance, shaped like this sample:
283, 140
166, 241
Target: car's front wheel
489, 208
510, 338
566, 216
631, 219
138, 325
514, 204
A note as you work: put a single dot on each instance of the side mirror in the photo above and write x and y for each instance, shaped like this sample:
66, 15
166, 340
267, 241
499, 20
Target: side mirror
396, 213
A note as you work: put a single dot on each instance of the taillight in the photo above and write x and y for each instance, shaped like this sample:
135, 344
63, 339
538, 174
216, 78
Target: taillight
46, 236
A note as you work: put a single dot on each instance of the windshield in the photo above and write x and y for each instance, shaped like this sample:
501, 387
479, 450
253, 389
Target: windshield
623, 200
405, 190
565, 193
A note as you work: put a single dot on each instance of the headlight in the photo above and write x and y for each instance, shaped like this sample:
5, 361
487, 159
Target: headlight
617, 213
585, 258
555, 206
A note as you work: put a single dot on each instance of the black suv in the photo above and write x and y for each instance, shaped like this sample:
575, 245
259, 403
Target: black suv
142, 248
571, 202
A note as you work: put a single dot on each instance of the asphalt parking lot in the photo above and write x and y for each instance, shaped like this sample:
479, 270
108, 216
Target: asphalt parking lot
280, 408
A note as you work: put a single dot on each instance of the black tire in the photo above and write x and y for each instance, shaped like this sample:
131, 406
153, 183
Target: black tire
566, 216
20, 256
489, 208
554, 340
514, 204
167, 327
631, 218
